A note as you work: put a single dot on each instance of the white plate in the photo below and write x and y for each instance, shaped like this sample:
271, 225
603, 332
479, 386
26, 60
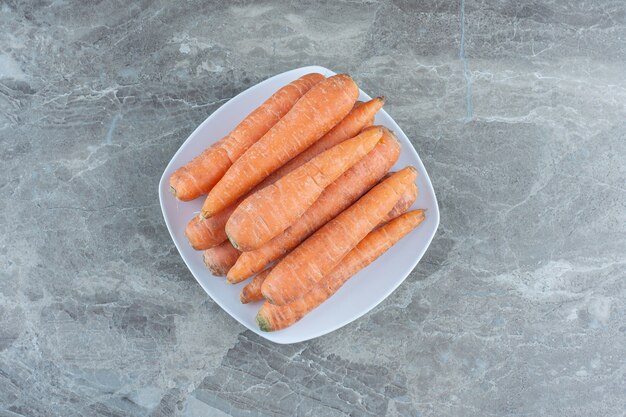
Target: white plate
361, 293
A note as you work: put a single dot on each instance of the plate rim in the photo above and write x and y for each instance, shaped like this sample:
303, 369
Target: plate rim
164, 180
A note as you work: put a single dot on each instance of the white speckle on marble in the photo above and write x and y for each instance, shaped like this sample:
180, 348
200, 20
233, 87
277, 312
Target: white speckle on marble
129, 73
600, 309
10, 68
573, 314
209, 67
196, 408
147, 397
108, 139
596, 363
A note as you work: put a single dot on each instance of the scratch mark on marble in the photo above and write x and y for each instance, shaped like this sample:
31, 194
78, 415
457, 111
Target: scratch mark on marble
466, 72
108, 139
535, 54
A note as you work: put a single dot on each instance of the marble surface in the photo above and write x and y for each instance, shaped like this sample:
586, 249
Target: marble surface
518, 110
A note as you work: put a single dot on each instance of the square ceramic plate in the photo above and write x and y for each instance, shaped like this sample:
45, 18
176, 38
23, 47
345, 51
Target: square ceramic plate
361, 293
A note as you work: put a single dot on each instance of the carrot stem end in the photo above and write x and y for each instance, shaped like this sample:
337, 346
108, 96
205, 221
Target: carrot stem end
263, 323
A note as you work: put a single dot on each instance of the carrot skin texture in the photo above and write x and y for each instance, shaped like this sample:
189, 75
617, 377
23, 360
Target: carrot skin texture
199, 175
268, 212
252, 291
361, 117
336, 197
321, 108
205, 233
404, 203
307, 264
221, 258
273, 317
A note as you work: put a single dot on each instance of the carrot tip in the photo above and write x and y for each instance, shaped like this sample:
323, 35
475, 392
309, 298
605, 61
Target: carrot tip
263, 323
382, 98
173, 191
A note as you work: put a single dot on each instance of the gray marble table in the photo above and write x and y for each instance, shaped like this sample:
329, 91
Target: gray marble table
518, 110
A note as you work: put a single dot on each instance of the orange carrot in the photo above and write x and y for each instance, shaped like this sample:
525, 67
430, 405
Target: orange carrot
268, 212
252, 291
336, 198
309, 119
359, 118
273, 317
199, 175
221, 258
307, 264
406, 201
206, 233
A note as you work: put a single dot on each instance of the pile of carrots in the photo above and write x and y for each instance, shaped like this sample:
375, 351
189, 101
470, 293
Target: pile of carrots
298, 197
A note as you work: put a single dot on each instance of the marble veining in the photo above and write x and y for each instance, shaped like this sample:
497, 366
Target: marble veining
517, 109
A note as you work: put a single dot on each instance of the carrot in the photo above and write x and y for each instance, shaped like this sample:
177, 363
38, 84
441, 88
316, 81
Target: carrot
370, 121
406, 201
336, 197
268, 212
252, 291
307, 264
199, 175
221, 258
273, 317
205, 233
359, 118
309, 119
